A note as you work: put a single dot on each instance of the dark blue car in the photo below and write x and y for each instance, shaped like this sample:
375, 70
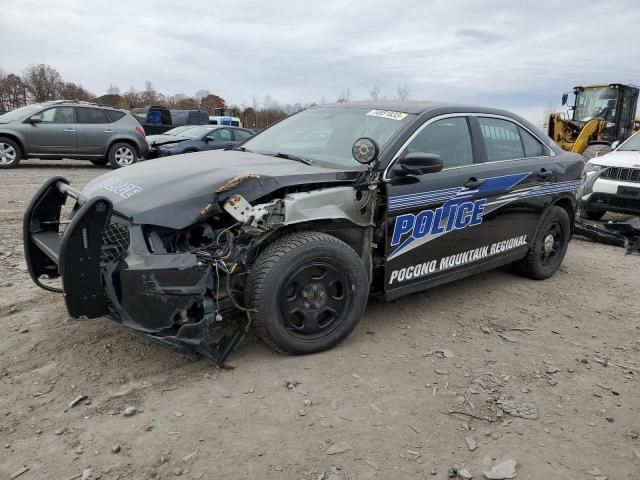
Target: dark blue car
198, 139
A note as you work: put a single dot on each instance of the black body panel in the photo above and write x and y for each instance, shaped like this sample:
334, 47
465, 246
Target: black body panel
173, 191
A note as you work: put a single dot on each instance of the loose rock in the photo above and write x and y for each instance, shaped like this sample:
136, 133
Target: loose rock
502, 471
518, 408
339, 447
471, 443
130, 411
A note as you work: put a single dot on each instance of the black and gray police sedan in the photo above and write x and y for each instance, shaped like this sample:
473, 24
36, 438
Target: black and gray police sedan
295, 228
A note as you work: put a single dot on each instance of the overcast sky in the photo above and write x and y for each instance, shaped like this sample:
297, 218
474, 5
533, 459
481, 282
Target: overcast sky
515, 54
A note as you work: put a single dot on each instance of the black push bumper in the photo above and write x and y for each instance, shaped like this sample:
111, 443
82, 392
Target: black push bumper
150, 290
73, 253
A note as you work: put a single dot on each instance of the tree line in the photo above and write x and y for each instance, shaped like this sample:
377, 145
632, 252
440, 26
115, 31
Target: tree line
41, 83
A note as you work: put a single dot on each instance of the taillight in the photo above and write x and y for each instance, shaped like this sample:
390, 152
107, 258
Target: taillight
140, 130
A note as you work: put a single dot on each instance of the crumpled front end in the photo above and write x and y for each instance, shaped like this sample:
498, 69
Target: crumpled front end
161, 282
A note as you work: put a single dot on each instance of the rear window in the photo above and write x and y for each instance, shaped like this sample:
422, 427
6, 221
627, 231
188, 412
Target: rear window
501, 139
532, 147
114, 115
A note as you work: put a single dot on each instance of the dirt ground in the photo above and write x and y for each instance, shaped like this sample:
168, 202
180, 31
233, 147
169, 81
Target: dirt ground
377, 406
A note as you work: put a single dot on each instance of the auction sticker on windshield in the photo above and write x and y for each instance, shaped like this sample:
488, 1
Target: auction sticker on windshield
387, 114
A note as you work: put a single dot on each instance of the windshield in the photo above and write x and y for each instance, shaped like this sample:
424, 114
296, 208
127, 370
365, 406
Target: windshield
597, 102
20, 113
631, 145
196, 132
326, 135
177, 130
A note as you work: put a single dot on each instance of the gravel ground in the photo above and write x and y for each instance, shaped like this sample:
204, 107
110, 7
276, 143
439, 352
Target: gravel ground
377, 406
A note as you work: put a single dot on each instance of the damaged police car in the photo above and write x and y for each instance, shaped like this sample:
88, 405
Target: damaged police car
294, 229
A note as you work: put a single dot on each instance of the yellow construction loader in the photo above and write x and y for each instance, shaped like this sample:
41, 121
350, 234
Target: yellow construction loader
600, 116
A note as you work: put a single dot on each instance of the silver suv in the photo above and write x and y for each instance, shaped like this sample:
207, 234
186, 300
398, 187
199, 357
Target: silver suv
71, 129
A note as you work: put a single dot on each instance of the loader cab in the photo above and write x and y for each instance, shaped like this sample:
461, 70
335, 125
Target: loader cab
615, 104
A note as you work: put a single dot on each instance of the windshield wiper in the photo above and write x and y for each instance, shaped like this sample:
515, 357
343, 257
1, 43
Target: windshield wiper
241, 149
289, 156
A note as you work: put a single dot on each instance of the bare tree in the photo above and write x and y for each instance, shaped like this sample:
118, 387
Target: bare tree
374, 93
13, 93
200, 94
149, 96
546, 115
211, 102
71, 91
345, 96
403, 92
113, 90
42, 82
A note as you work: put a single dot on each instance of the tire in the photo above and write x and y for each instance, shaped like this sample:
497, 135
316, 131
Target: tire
122, 154
545, 257
101, 162
593, 151
592, 214
10, 153
308, 291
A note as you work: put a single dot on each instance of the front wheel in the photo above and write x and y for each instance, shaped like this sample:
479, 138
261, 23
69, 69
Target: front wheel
548, 247
308, 291
122, 155
10, 153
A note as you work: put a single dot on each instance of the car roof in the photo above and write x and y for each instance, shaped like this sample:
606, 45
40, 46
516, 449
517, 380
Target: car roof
78, 103
414, 107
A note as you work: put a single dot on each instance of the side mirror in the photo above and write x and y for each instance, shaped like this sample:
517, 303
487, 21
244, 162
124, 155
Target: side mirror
419, 164
565, 97
615, 144
209, 139
37, 118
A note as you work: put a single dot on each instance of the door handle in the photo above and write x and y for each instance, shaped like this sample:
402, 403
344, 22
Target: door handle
109, 131
544, 173
69, 130
474, 183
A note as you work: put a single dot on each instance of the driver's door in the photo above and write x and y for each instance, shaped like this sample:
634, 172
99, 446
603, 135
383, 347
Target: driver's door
54, 134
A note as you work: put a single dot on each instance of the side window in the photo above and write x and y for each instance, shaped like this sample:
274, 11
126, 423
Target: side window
222, 134
114, 115
241, 135
58, 115
501, 139
449, 138
92, 115
532, 147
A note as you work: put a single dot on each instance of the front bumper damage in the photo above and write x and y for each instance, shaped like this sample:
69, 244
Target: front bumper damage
107, 269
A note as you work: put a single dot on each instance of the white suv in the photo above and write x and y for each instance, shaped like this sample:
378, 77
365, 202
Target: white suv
613, 181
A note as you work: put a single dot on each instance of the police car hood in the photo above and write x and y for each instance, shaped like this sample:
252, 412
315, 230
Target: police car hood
173, 191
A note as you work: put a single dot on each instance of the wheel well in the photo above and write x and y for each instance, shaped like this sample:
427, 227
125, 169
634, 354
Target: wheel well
124, 140
569, 206
23, 150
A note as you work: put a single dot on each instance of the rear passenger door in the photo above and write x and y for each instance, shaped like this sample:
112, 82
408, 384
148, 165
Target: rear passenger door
222, 138
240, 135
95, 129
510, 149
437, 225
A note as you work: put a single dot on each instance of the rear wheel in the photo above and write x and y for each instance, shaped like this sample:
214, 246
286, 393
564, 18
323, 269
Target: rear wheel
548, 247
122, 155
308, 290
593, 151
10, 153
